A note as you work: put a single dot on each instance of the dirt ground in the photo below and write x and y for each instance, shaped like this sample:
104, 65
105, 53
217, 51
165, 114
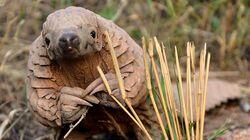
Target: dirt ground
231, 115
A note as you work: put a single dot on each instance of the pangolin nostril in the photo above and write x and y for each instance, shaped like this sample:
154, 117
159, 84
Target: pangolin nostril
69, 40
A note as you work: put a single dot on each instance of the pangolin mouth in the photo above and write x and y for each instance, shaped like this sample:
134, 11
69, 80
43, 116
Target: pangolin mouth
72, 49
70, 52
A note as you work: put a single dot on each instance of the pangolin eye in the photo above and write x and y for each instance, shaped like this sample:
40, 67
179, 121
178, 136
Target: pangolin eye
93, 34
47, 41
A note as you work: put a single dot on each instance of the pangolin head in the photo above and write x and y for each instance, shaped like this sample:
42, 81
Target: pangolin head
70, 33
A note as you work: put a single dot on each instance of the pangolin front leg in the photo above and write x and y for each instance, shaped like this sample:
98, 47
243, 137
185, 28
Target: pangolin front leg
132, 83
97, 86
72, 103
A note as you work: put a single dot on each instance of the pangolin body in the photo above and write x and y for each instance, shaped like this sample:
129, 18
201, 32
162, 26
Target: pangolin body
56, 84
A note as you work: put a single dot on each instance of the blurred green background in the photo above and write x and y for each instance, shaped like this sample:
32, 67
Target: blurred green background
222, 24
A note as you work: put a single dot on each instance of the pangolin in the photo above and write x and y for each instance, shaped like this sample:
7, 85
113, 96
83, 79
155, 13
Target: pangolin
63, 82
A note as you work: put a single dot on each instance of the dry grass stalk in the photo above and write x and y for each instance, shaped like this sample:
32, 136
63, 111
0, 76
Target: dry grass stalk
200, 90
189, 88
169, 92
198, 98
175, 128
163, 101
204, 95
201, 87
186, 105
183, 105
169, 103
149, 87
3, 127
121, 84
8, 31
72, 127
105, 81
194, 79
117, 70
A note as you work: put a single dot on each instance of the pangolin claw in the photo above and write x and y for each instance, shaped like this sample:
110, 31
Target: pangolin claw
92, 99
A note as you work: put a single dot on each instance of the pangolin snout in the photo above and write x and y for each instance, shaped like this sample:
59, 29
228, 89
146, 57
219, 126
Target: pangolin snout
69, 41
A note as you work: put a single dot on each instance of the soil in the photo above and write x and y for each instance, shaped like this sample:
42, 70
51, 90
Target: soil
232, 117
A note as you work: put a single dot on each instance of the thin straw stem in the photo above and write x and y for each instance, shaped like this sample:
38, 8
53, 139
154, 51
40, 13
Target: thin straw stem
201, 85
155, 71
138, 119
189, 87
172, 99
73, 126
205, 95
199, 95
168, 87
168, 102
105, 81
181, 94
149, 87
117, 70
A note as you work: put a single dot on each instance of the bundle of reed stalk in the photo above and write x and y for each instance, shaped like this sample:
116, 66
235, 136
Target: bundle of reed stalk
180, 122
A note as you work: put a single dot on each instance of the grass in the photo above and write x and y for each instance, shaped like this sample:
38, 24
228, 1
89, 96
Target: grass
223, 24
176, 130
218, 133
212, 22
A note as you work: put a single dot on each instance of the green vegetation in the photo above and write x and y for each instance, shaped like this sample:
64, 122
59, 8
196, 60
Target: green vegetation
219, 132
223, 24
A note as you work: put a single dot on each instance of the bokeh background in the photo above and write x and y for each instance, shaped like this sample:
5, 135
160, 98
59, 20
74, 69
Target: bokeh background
223, 24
